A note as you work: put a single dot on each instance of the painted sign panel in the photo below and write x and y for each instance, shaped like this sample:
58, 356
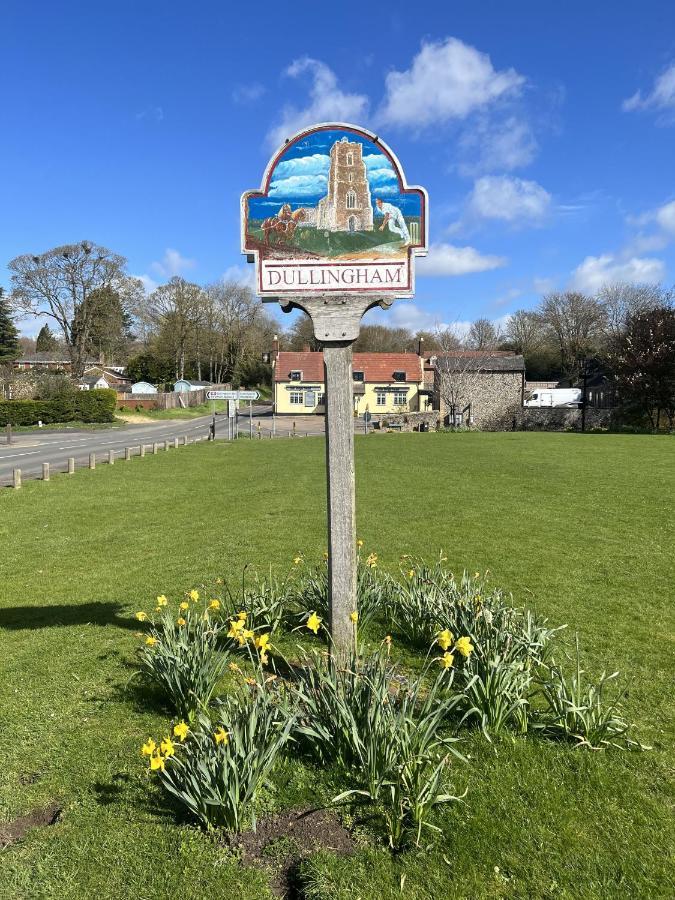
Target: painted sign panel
334, 215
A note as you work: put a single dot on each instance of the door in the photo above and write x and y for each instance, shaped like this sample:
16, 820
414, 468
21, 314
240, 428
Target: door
352, 223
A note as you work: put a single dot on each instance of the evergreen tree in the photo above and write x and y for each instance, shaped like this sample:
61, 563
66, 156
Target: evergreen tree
9, 336
46, 341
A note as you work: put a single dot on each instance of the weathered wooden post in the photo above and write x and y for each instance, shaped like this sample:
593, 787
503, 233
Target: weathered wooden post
155, 448
92, 460
127, 454
185, 440
45, 471
111, 457
141, 450
372, 264
71, 465
9, 433
16, 478
175, 443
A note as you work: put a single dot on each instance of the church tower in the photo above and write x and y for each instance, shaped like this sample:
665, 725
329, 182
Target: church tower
347, 206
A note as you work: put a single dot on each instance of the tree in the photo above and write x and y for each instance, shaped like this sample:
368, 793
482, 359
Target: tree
525, 332
483, 335
58, 284
150, 367
46, 341
173, 307
642, 361
383, 339
576, 322
459, 372
110, 324
9, 336
301, 335
622, 300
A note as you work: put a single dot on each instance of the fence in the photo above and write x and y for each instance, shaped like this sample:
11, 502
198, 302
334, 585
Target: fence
168, 400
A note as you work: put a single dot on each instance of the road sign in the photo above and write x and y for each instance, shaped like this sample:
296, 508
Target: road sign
231, 408
232, 395
334, 230
367, 417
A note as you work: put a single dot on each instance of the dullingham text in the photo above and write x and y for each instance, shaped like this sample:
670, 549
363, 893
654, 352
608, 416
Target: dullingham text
294, 277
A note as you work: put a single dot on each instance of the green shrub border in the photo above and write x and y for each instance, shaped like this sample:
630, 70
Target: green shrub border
83, 406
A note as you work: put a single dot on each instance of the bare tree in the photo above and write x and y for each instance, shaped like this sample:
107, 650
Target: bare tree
58, 284
240, 328
576, 321
483, 335
525, 332
173, 307
623, 300
458, 373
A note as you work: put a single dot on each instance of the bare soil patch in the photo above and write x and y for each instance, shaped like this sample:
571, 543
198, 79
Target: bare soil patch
11, 832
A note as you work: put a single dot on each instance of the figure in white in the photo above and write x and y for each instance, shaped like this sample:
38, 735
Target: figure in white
393, 217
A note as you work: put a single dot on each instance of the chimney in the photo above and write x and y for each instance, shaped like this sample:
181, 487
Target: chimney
420, 347
275, 347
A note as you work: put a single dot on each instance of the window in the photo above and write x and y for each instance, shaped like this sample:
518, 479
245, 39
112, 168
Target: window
350, 177
358, 376
297, 398
310, 398
350, 159
400, 398
296, 375
381, 399
351, 200
399, 376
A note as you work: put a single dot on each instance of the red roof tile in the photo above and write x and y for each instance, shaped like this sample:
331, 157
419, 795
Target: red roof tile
377, 367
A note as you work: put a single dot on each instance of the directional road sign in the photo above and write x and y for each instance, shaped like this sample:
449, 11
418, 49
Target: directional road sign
232, 395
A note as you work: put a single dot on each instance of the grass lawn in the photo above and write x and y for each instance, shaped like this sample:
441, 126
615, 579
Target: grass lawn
580, 527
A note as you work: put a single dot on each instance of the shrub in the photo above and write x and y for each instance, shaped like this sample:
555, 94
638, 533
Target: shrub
80, 406
218, 770
181, 656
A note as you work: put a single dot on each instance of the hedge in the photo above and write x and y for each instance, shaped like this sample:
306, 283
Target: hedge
83, 406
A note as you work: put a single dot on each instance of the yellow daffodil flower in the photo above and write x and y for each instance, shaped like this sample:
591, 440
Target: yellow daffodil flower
372, 560
354, 616
221, 736
162, 600
464, 646
167, 747
251, 682
181, 730
445, 639
214, 604
141, 616
236, 625
359, 543
313, 623
151, 641
411, 573
184, 605
262, 642
241, 616
180, 621
194, 595
247, 634
387, 640
297, 560
158, 609
263, 658
447, 660
148, 747
157, 762
476, 574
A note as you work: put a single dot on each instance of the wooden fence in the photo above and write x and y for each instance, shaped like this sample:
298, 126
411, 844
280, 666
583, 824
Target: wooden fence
169, 400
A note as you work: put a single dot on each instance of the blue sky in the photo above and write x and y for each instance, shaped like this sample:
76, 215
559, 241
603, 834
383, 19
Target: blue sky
544, 134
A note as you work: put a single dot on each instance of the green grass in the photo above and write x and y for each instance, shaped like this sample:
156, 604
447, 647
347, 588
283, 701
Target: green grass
580, 527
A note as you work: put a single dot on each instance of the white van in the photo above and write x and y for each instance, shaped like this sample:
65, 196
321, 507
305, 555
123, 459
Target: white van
555, 397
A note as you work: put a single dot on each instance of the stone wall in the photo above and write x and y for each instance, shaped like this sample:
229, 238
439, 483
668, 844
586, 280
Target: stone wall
560, 418
407, 421
494, 397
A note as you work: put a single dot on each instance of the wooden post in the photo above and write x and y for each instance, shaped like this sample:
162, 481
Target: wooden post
111, 457
17, 478
92, 460
185, 440
127, 453
155, 448
175, 443
45, 471
9, 433
337, 360
71, 465
141, 450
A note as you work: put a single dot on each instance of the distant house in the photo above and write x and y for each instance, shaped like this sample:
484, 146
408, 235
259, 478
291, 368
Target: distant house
143, 387
382, 382
184, 386
91, 383
43, 360
114, 375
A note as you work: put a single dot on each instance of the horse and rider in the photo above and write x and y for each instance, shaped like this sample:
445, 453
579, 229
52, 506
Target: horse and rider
283, 225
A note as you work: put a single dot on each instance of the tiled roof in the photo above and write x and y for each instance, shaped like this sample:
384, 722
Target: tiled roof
487, 361
376, 367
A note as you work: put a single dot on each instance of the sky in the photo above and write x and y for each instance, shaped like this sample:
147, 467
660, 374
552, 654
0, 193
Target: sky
544, 134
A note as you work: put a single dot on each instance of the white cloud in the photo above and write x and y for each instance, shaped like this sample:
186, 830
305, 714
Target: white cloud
661, 97
665, 217
446, 259
248, 93
491, 146
327, 102
405, 314
298, 186
313, 164
447, 80
595, 271
542, 285
151, 113
148, 283
243, 275
508, 199
172, 263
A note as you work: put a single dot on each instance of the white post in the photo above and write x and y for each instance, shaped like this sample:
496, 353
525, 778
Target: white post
71, 465
17, 478
341, 500
155, 448
92, 460
141, 450
111, 457
250, 420
127, 453
45, 471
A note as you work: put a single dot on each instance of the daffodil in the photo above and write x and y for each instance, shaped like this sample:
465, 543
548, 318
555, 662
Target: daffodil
411, 573
447, 660
313, 623
148, 747
263, 658
325, 555
297, 560
162, 600
476, 574
158, 609
262, 642
184, 606
359, 543
141, 616
181, 730
236, 625
371, 561
464, 646
167, 747
221, 736
194, 595
157, 762
180, 621
251, 682
151, 641
214, 604
247, 634
445, 638
354, 616
241, 616
387, 640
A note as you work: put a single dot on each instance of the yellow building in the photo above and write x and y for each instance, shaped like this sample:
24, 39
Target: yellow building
383, 383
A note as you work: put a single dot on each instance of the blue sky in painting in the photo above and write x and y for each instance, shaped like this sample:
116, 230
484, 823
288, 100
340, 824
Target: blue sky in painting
544, 133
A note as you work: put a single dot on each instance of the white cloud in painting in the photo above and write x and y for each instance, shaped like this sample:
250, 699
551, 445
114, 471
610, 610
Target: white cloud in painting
447, 259
298, 186
661, 97
447, 80
595, 271
327, 102
313, 164
508, 199
381, 174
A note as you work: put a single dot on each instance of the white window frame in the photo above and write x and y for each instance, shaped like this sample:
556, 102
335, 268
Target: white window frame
296, 397
400, 398
350, 158
350, 199
380, 398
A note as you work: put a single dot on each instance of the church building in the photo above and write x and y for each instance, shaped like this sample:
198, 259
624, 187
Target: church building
347, 206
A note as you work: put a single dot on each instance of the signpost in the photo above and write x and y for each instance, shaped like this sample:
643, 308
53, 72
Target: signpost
334, 231
233, 395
